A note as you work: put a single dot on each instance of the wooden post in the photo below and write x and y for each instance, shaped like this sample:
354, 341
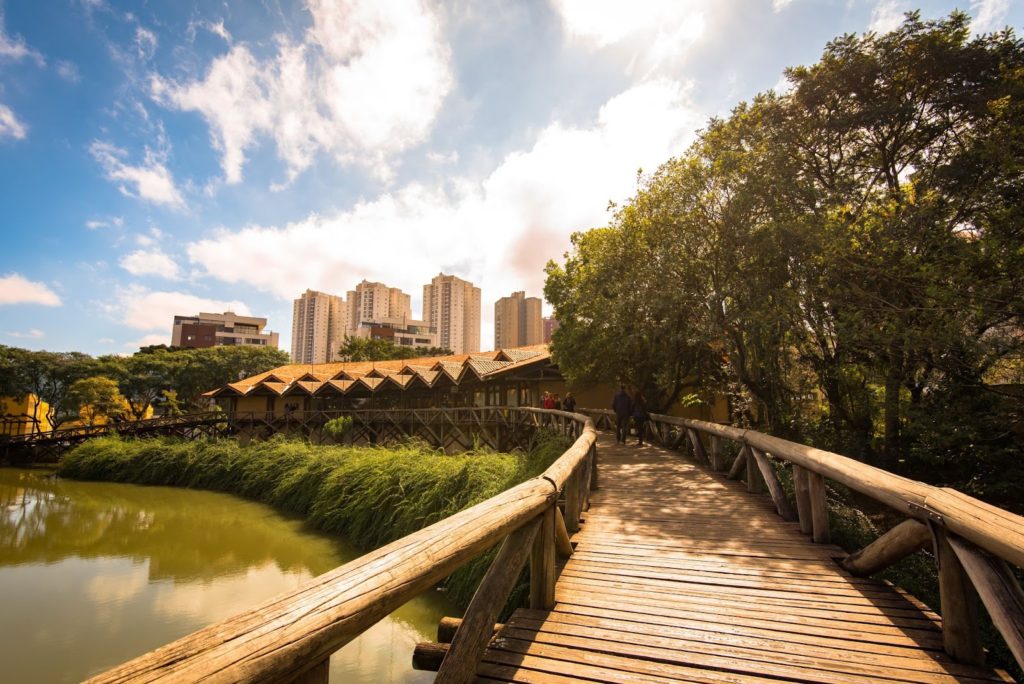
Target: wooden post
755, 483
572, 501
999, 591
593, 467
775, 489
819, 508
470, 642
698, 446
893, 546
959, 603
717, 458
448, 626
542, 563
739, 464
803, 499
562, 543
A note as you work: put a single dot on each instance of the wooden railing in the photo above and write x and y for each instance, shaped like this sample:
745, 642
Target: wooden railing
974, 543
291, 637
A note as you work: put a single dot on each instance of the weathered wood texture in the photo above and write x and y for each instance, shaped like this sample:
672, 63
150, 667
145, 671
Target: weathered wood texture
906, 538
680, 575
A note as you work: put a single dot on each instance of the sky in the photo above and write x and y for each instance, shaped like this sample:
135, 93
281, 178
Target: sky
162, 158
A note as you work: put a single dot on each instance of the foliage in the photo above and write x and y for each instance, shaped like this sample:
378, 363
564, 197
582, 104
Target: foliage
48, 376
338, 427
96, 397
374, 349
371, 495
847, 258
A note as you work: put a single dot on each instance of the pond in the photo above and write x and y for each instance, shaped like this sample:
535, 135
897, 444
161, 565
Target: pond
93, 574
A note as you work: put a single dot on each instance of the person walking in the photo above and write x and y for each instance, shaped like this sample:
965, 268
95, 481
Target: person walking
569, 403
623, 407
640, 416
558, 402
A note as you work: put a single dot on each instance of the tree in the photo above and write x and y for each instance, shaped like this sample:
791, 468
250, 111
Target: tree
144, 377
376, 349
201, 370
96, 397
48, 376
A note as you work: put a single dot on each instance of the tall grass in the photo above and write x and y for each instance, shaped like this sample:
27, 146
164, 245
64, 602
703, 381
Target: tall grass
369, 495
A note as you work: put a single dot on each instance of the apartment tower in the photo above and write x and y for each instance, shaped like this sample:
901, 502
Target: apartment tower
517, 321
374, 302
451, 306
320, 322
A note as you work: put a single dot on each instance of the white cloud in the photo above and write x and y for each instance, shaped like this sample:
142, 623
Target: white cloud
440, 158
151, 181
10, 126
68, 71
33, 334
113, 221
142, 309
989, 15
14, 48
886, 16
145, 43
15, 289
152, 262
147, 340
655, 33
779, 5
498, 232
364, 84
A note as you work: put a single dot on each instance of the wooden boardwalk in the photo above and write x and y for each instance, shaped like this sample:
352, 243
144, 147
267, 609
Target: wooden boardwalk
681, 575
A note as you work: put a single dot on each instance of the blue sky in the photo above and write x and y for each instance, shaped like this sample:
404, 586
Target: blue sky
170, 157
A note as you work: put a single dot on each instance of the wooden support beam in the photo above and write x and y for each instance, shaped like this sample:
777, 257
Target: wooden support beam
573, 506
999, 592
803, 499
775, 489
739, 464
562, 543
593, 467
959, 603
755, 482
427, 655
448, 626
717, 458
698, 446
906, 538
469, 644
542, 563
819, 508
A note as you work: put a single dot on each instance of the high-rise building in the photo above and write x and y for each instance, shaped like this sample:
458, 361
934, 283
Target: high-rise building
451, 306
320, 322
550, 326
517, 321
374, 302
215, 329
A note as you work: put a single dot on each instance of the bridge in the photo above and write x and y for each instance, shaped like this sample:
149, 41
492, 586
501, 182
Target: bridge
684, 560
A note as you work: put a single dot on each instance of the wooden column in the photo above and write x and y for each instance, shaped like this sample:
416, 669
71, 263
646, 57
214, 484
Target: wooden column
775, 489
738, 464
572, 501
542, 563
717, 458
698, 446
755, 483
959, 603
819, 508
803, 499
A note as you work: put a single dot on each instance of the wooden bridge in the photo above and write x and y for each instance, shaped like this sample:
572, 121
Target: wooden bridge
672, 571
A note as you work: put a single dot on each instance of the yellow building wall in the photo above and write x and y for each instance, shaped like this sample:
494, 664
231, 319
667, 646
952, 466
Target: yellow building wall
23, 417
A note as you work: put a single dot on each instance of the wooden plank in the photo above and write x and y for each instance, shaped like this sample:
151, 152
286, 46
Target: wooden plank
467, 648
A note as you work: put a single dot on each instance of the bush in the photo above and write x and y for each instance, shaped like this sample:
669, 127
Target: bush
371, 495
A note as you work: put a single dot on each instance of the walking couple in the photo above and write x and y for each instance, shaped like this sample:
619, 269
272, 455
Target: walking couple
627, 407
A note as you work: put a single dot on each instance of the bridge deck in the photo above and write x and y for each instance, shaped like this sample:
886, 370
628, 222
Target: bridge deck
681, 575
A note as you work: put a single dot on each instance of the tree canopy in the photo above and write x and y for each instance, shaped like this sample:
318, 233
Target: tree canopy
374, 349
847, 259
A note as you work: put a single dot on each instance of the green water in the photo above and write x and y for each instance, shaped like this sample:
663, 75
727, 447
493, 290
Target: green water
93, 574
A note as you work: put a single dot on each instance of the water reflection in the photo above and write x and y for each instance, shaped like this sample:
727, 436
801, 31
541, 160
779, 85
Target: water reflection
92, 574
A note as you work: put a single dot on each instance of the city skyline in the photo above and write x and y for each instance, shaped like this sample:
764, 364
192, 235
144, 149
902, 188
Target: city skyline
172, 159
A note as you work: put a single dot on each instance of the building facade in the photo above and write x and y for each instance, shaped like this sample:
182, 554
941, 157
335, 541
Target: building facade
215, 329
320, 322
451, 307
517, 321
550, 324
376, 302
402, 331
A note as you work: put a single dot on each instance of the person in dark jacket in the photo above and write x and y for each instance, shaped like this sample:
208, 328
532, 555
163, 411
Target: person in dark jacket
569, 403
623, 407
640, 416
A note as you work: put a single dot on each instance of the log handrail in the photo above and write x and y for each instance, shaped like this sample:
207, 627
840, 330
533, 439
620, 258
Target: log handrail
292, 635
957, 522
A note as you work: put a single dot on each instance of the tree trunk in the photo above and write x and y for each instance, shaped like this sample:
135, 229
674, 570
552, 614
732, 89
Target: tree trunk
891, 446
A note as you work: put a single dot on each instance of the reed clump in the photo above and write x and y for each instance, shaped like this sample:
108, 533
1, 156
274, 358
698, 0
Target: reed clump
369, 495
